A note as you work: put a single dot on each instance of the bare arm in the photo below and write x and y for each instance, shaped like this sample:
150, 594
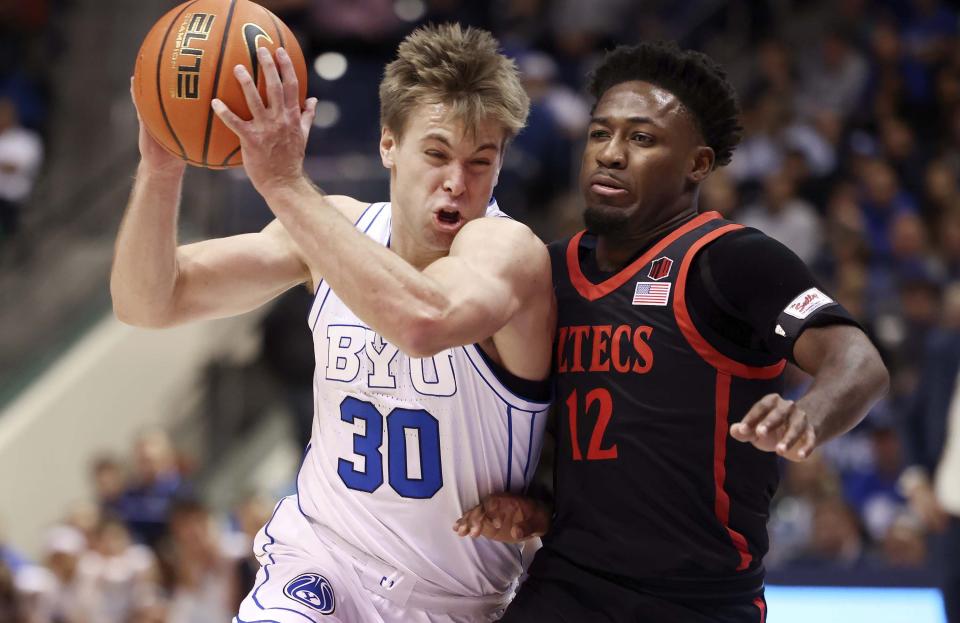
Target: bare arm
849, 378
495, 267
155, 283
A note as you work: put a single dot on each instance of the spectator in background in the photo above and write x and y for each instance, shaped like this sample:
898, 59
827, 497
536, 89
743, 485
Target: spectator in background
201, 573
949, 231
931, 432
785, 217
145, 504
11, 605
21, 153
872, 492
881, 200
833, 78
109, 483
119, 577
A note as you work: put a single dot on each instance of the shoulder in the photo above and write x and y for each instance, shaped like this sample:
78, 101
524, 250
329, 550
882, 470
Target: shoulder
493, 233
748, 249
352, 209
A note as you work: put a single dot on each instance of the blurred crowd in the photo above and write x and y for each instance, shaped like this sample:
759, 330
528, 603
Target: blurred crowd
146, 550
29, 39
850, 157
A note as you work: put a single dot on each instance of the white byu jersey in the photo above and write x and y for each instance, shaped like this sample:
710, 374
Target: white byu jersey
402, 446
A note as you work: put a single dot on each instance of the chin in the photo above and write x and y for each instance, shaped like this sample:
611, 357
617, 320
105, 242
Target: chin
603, 220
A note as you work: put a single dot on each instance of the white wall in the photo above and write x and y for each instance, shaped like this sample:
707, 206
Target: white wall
116, 381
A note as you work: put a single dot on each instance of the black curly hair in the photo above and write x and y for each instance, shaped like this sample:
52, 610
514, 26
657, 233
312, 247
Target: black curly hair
694, 78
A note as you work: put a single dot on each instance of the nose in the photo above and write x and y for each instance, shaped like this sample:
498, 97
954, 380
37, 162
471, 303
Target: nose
455, 180
612, 155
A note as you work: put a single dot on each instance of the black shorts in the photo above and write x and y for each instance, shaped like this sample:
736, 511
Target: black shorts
558, 591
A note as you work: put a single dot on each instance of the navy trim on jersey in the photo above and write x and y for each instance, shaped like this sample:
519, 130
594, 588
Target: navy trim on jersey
531, 391
510, 398
526, 468
510, 448
273, 541
320, 284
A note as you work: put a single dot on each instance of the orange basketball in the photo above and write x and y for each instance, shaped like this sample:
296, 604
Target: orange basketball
187, 59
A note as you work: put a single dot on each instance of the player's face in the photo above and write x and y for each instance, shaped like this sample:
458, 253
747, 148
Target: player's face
642, 159
441, 175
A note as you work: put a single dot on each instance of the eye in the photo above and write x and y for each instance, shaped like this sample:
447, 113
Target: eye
481, 163
643, 139
433, 153
599, 134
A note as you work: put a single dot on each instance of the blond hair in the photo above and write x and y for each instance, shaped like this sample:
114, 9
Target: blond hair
460, 68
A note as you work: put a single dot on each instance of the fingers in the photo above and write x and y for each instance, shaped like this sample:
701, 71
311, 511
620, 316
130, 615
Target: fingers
249, 88
307, 116
491, 511
470, 521
745, 430
229, 119
268, 68
291, 85
797, 427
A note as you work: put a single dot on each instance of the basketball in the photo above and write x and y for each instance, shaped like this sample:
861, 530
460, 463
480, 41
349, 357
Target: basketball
187, 59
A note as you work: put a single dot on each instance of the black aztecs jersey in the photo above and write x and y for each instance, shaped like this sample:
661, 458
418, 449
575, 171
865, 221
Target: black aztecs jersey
651, 490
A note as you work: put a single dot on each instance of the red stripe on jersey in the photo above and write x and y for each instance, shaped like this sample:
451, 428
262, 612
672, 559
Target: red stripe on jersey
710, 354
722, 499
592, 292
762, 606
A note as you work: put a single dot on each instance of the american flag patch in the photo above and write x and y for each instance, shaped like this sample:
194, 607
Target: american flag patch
651, 293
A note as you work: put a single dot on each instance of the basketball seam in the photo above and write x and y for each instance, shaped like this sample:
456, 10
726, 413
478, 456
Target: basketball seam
216, 80
276, 25
163, 109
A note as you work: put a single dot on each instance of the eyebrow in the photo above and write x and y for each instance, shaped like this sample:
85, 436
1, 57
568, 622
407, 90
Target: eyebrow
443, 139
631, 120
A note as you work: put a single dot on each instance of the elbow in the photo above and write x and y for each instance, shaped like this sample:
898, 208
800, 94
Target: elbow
140, 316
422, 335
135, 318
880, 377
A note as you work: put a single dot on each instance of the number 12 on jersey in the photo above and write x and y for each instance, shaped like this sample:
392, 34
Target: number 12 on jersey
600, 396
368, 445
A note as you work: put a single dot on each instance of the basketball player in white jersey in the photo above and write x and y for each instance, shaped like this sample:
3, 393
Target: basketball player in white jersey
432, 327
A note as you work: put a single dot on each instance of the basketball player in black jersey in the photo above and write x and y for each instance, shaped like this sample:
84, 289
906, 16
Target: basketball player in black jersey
673, 332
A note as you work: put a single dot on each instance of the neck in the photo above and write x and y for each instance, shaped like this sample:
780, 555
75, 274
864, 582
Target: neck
615, 250
404, 243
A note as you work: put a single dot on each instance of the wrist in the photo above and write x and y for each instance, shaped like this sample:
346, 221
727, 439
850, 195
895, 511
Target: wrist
285, 190
171, 172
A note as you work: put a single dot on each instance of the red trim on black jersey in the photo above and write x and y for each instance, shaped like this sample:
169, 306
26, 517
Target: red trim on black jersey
762, 606
722, 500
592, 291
710, 354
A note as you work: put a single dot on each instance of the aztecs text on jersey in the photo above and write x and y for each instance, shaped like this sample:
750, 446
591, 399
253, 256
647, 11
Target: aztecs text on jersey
650, 486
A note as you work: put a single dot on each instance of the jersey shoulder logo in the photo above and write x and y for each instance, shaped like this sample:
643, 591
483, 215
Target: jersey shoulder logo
660, 268
807, 303
312, 590
652, 293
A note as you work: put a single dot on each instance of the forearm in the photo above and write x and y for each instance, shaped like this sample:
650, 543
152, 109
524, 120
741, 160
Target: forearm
847, 383
144, 275
384, 290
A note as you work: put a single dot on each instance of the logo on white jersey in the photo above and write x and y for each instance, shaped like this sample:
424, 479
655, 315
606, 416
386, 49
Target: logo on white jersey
312, 590
348, 344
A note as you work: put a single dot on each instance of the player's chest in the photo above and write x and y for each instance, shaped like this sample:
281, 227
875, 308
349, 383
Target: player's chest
351, 354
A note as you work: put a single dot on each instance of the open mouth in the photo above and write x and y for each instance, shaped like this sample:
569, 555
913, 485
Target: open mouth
448, 217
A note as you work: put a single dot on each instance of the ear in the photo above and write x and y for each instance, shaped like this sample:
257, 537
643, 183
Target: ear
388, 148
701, 164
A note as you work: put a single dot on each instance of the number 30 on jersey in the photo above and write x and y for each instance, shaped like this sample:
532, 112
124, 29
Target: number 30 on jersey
400, 423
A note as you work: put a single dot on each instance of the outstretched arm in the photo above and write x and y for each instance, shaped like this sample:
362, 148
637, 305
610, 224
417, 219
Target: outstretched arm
848, 378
